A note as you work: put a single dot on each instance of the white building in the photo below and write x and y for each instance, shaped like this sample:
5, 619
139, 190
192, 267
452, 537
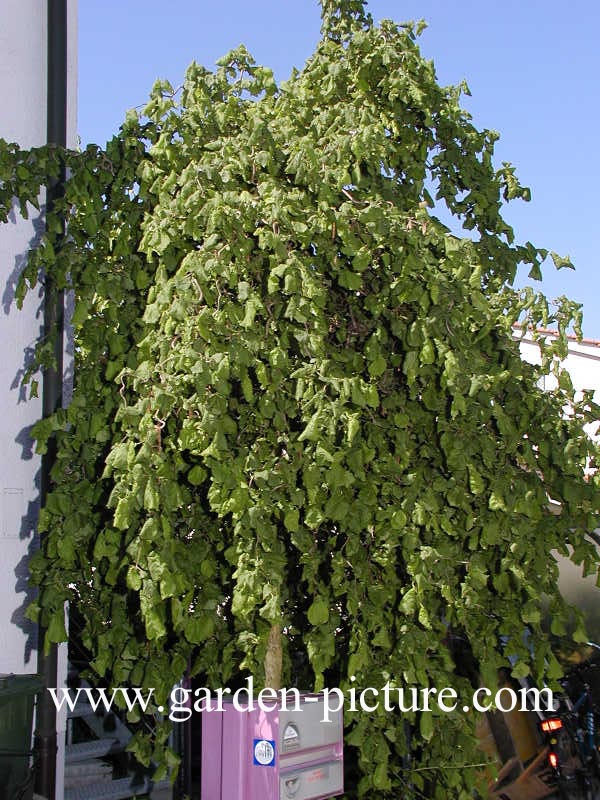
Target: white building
34, 49
583, 365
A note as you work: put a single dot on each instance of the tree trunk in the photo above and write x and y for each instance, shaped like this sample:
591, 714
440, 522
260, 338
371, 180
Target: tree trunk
273, 659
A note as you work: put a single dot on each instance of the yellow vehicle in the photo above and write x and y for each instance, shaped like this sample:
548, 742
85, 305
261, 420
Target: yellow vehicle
513, 741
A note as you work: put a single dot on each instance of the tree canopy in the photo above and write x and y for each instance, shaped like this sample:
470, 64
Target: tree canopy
300, 420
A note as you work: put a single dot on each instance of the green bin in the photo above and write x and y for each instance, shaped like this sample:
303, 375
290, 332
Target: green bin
17, 699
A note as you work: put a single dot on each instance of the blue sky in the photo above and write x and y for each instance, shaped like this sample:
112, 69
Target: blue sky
533, 67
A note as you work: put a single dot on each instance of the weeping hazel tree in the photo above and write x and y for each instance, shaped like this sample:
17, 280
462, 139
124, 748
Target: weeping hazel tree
302, 444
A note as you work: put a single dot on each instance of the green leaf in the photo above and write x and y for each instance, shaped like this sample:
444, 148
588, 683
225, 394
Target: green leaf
117, 458
408, 604
561, 262
318, 612
426, 728
411, 363
291, 519
151, 497
380, 777
476, 482
427, 355
197, 475
252, 306
134, 578
398, 520
496, 502
56, 631
199, 629
312, 429
520, 670
377, 367
122, 518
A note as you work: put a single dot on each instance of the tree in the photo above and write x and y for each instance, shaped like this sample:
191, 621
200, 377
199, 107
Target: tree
302, 439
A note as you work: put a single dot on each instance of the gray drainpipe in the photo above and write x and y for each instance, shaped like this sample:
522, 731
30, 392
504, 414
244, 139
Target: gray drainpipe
45, 735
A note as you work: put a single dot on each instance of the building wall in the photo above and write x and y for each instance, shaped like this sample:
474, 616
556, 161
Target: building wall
583, 364
22, 119
23, 77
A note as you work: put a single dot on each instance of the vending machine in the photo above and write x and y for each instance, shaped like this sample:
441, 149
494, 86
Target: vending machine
289, 752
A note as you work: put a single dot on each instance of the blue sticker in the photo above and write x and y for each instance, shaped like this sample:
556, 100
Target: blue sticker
264, 752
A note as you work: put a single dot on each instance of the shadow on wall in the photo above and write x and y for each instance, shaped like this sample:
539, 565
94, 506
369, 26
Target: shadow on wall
28, 530
20, 503
38, 224
9, 303
27, 593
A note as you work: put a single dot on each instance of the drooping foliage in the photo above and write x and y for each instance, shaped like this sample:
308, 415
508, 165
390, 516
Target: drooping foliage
299, 406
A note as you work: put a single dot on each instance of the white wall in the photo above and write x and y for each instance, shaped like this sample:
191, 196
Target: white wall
23, 119
583, 364
23, 77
